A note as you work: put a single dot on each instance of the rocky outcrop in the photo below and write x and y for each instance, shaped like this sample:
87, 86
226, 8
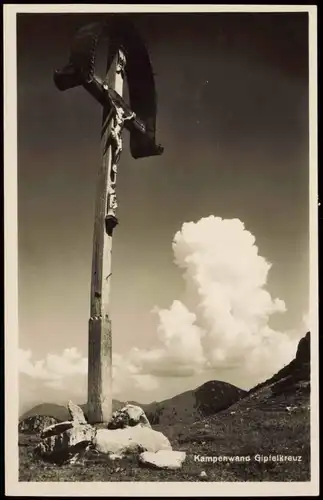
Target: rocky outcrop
163, 459
66, 441
36, 424
64, 445
118, 443
128, 416
303, 353
288, 389
294, 375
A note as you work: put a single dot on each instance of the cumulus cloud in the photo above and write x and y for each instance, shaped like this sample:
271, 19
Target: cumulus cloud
61, 371
127, 374
54, 369
224, 319
221, 323
56, 378
181, 353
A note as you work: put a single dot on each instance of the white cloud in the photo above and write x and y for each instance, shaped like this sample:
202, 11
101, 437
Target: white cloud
56, 378
127, 375
181, 353
226, 319
54, 369
63, 371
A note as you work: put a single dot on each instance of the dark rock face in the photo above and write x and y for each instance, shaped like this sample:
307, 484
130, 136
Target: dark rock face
303, 353
290, 386
36, 424
298, 370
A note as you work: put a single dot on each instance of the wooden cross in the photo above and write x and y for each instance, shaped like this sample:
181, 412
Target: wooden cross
127, 57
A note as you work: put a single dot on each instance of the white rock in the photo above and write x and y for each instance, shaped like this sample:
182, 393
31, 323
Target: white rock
137, 414
163, 459
128, 416
203, 474
76, 413
119, 442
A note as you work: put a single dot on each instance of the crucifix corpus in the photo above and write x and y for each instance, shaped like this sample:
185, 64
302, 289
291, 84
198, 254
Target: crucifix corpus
127, 58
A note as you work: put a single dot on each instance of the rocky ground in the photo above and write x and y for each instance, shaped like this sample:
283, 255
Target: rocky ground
239, 434
272, 422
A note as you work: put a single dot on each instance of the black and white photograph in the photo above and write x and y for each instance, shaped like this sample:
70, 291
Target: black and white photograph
161, 211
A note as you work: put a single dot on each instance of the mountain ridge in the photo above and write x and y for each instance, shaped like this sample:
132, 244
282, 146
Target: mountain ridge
215, 396
186, 406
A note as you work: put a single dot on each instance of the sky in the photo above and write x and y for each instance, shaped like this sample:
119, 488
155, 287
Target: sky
211, 255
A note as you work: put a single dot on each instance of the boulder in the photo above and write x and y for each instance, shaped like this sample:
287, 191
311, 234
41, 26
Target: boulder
65, 445
128, 416
163, 459
120, 442
36, 423
76, 413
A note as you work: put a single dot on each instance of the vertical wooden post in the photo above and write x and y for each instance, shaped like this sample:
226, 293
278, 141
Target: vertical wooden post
100, 333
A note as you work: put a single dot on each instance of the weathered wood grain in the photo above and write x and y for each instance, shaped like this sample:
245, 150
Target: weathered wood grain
100, 332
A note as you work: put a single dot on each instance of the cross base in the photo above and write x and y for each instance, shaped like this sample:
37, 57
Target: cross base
100, 370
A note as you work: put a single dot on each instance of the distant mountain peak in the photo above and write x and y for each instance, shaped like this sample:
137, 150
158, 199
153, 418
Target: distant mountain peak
290, 385
207, 399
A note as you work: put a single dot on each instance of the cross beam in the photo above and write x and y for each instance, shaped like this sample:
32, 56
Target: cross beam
80, 71
126, 52
106, 96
